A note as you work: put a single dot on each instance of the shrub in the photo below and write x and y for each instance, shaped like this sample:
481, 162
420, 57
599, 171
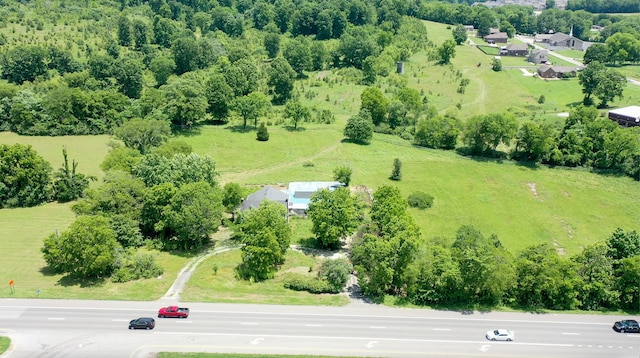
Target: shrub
263, 133
420, 200
309, 284
335, 273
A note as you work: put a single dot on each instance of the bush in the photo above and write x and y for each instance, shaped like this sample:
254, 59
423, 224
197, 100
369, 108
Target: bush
420, 200
335, 273
309, 284
263, 133
134, 268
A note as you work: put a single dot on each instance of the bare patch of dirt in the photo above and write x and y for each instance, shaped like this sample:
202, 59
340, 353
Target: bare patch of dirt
322, 75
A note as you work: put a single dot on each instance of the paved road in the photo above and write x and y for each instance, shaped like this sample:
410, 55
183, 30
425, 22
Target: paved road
70, 329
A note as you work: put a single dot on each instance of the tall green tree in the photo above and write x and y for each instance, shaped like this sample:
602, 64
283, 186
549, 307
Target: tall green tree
143, 134
265, 235
297, 52
373, 100
219, 96
24, 63
69, 185
595, 268
459, 34
446, 52
534, 141
162, 68
483, 133
87, 249
281, 80
546, 280
335, 214
251, 107
25, 177
272, 44
359, 128
194, 212
486, 268
343, 174
297, 112
125, 36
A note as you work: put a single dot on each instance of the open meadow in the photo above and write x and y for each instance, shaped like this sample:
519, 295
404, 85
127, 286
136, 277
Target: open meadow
522, 205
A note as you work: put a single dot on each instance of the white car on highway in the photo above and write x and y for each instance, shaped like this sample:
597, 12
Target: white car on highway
500, 335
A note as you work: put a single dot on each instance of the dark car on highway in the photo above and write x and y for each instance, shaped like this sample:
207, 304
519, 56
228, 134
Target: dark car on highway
627, 326
142, 323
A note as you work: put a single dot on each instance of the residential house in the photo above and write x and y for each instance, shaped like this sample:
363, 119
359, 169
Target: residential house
469, 28
552, 71
267, 193
538, 56
498, 37
299, 194
515, 50
626, 116
560, 39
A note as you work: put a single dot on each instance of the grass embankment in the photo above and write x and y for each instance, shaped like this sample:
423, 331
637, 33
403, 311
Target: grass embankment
520, 204
5, 342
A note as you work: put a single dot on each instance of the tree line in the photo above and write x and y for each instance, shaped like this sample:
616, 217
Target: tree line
585, 139
471, 269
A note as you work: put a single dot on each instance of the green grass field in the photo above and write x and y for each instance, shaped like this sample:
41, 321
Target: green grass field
5, 342
523, 206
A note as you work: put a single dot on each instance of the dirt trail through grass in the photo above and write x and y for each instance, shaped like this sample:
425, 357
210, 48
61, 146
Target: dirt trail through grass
238, 177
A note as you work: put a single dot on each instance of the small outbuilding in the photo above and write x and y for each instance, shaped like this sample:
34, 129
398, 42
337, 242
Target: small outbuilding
626, 116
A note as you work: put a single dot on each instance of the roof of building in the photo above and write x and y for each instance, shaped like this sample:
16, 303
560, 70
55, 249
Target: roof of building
497, 35
517, 47
270, 193
300, 192
559, 36
631, 112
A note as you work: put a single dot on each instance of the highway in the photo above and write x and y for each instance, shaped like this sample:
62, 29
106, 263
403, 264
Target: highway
70, 329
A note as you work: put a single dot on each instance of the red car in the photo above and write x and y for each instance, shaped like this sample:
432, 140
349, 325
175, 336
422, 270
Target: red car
173, 311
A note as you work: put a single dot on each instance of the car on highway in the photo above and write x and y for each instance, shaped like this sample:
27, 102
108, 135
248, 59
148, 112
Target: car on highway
500, 335
173, 311
627, 326
142, 323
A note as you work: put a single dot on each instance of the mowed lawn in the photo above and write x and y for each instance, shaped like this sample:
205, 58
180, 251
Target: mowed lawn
523, 206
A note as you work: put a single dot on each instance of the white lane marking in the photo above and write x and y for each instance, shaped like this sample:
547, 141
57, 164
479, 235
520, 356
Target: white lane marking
56, 318
570, 334
179, 322
377, 327
256, 341
120, 320
249, 323
485, 347
442, 329
370, 344
313, 325
361, 338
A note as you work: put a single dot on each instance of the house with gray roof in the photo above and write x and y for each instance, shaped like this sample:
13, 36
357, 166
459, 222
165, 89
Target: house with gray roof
267, 193
498, 37
299, 194
515, 50
538, 56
